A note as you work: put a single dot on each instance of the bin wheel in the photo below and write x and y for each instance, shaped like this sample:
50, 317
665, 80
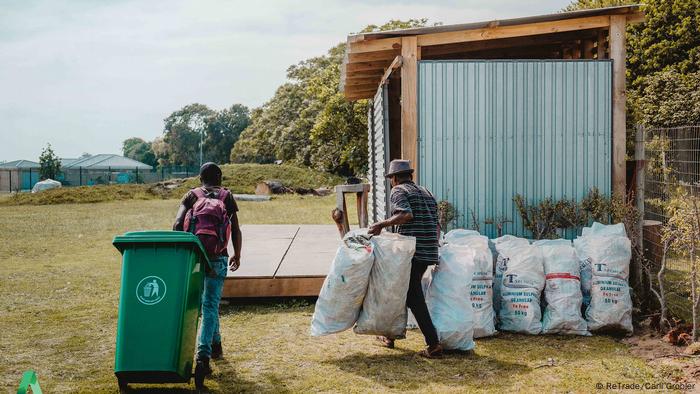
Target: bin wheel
123, 385
198, 379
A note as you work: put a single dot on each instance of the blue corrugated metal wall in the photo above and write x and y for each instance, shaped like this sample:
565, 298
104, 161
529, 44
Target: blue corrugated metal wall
491, 129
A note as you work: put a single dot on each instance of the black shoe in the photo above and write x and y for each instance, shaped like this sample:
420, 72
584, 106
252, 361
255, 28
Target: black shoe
216, 351
203, 368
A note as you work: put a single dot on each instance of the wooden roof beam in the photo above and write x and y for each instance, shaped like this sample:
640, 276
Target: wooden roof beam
367, 66
397, 63
362, 81
513, 42
487, 33
371, 56
367, 94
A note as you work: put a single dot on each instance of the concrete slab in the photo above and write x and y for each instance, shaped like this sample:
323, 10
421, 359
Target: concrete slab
263, 249
311, 253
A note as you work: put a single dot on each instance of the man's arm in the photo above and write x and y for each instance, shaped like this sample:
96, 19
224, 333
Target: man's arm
399, 218
180, 218
237, 239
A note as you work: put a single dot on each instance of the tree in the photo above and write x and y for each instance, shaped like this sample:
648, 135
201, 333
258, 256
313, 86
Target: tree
663, 54
669, 99
140, 150
223, 130
308, 121
161, 150
50, 163
667, 40
588, 4
220, 132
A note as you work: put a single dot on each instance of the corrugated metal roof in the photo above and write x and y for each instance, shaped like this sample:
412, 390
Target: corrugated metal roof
491, 129
20, 164
67, 161
497, 22
106, 161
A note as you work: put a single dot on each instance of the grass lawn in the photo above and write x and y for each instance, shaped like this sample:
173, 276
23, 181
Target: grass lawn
58, 310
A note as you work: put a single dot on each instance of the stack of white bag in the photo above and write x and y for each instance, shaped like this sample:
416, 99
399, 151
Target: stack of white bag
384, 307
344, 289
481, 289
521, 286
608, 250
448, 297
562, 315
500, 248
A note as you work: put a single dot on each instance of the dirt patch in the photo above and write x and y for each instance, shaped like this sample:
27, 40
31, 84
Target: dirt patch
674, 362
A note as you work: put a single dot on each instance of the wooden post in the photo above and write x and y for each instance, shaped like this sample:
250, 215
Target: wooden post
640, 169
587, 49
601, 44
409, 99
619, 130
340, 212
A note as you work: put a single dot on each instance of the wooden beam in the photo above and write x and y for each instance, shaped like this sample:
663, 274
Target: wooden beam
371, 56
367, 66
514, 42
361, 81
304, 286
619, 127
363, 87
367, 74
409, 99
365, 96
398, 60
496, 32
384, 44
637, 17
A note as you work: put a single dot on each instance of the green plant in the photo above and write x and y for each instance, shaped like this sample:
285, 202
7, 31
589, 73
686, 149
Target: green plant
49, 162
446, 214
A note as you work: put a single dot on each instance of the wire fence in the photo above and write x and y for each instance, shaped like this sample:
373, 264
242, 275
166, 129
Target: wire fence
24, 179
672, 170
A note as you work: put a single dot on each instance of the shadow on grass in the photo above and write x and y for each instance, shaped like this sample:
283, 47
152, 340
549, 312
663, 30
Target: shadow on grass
224, 380
405, 369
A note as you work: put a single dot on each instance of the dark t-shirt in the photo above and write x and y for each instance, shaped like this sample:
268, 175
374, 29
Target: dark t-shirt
190, 198
417, 200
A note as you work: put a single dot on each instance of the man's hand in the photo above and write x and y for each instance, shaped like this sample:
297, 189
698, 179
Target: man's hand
234, 262
375, 229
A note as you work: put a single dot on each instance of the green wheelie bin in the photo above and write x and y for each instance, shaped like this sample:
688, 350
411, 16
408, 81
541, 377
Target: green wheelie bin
159, 306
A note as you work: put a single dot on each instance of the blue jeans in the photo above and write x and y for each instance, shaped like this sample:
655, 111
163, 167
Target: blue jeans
213, 285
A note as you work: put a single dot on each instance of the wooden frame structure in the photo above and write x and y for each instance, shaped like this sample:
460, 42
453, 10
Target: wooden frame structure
588, 34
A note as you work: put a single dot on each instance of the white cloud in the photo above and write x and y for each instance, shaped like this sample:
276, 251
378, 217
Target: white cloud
87, 75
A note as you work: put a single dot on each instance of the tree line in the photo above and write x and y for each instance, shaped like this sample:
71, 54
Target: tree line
308, 121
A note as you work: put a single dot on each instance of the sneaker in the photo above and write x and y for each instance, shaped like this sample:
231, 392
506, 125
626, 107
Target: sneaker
216, 351
203, 367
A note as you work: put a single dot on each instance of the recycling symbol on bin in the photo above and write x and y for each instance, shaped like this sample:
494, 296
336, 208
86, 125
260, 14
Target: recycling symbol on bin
150, 290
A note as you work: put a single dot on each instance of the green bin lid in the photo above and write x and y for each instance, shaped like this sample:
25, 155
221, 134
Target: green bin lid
156, 237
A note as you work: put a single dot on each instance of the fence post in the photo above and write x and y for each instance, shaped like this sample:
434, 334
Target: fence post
80, 172
640, 169
30, 179
137, 174
9, 172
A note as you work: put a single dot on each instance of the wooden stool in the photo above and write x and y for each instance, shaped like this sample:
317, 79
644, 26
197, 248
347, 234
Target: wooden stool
340, 213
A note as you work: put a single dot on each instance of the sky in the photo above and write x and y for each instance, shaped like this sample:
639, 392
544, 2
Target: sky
85, 75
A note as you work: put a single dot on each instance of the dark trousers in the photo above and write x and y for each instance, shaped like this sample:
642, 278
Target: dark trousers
415, 301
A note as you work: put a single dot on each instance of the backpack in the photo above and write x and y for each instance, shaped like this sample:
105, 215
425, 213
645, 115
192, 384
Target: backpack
209, 220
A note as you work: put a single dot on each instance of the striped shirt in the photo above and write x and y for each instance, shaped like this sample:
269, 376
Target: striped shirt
417, 200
